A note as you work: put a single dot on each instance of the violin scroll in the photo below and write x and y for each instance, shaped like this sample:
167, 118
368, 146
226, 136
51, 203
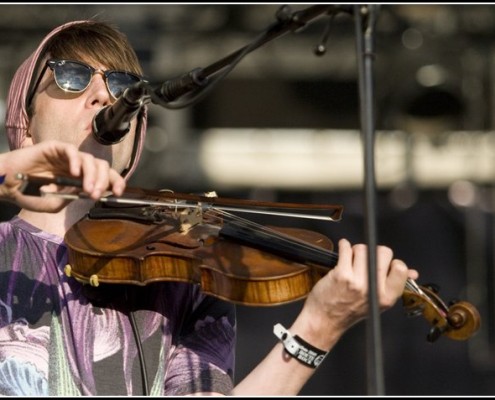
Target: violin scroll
459, 321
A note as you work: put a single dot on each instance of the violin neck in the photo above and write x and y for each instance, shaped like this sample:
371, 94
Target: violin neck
280, 244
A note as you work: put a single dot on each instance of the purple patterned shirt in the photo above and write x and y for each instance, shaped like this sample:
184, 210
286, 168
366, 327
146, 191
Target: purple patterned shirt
59, 337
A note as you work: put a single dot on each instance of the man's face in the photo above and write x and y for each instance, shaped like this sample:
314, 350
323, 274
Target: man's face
68, 117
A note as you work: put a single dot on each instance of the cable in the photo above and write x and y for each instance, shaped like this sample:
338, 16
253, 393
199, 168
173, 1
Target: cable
142, 361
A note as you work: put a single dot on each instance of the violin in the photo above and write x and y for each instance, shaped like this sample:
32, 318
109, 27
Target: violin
147, 236
230, 257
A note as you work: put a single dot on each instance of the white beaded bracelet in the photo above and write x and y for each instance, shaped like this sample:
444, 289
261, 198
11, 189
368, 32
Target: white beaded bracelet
298, 348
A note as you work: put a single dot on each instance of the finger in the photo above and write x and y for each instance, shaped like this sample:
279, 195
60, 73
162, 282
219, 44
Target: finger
107, 178
398, 272
384, 257
412, 274
345, 254
395, 282
101, 182
117, 183
75, 161
360, 259
58, 157
89, 172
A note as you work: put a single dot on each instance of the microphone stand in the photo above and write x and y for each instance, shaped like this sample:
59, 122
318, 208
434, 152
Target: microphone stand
365, 50
167, 93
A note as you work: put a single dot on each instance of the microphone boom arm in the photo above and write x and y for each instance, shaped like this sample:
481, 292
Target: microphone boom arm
196, 79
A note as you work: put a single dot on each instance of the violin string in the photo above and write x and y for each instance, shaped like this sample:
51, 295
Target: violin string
413, 286
277, 213
284, 237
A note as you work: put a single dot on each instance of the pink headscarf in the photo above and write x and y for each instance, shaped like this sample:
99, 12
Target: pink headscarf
16, 119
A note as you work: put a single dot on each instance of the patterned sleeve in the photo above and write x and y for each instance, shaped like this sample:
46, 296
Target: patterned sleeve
203, 359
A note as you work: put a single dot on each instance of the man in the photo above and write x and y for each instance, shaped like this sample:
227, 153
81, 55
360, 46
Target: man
59, 337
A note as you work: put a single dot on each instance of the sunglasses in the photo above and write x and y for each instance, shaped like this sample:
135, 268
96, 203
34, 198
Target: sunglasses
75, 77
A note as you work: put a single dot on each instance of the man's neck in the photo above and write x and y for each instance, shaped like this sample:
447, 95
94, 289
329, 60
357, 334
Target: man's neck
58, 223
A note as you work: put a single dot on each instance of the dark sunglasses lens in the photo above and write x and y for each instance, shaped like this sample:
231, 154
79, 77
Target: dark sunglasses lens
71, 76
120, 81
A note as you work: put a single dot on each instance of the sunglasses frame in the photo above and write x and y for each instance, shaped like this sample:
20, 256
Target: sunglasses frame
52, 64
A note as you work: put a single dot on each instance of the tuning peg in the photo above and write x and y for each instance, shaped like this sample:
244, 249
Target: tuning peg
435, 333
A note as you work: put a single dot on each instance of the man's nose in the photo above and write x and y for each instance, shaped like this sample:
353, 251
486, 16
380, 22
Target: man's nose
98, 90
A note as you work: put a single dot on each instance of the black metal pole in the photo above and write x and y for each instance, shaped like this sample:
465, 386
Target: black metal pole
365, 18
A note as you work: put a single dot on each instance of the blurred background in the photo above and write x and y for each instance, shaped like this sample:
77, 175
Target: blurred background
285, 125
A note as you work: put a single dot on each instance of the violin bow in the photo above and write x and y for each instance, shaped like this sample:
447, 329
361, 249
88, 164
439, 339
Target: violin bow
31, 186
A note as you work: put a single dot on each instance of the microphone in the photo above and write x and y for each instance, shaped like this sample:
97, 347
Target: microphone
177, 87
113, 122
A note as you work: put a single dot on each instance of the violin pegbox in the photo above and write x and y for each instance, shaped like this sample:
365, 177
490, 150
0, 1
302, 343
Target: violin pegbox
459, 321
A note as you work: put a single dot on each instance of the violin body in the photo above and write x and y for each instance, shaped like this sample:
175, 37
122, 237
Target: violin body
117, 251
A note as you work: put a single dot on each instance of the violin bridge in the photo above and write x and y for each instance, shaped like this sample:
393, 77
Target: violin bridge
190, 218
